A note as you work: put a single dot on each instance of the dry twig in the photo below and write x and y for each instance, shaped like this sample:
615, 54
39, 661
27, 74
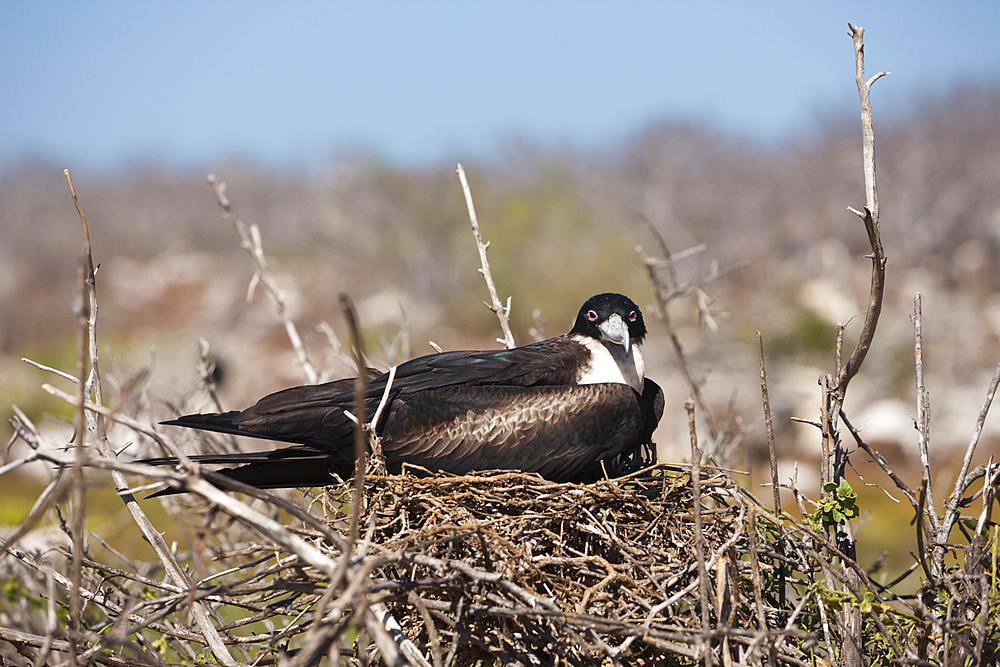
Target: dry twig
502, 311
251, 242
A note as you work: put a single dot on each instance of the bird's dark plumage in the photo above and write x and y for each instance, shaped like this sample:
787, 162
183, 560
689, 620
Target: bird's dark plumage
558, 407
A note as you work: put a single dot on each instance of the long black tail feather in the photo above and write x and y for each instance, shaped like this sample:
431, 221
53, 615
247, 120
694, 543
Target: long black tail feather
298, 466
220, 423
282, 468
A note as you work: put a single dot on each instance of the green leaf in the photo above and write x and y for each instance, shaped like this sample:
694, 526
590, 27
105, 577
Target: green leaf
845, 492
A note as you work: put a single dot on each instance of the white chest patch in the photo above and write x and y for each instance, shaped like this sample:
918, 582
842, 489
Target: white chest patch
609, 363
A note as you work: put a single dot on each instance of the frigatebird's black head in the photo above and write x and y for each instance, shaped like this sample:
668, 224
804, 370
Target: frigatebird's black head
613, 318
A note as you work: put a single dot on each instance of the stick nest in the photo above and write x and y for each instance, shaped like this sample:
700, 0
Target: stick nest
511, 568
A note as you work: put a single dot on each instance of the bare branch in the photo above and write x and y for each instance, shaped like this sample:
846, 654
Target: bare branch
775, 482
87, 315
699, 544
952, 507
868, 130
770, 426
360, 444
384, 401
923, 410
871, 221
502, 311
86, 312
878, 458
250, 241
877, 77
43, 367
663, 294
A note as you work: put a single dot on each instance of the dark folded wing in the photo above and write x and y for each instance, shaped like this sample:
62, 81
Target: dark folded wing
314, 414
560, 432
549, 362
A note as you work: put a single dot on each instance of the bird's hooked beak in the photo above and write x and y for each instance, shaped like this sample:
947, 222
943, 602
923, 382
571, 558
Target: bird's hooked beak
614, 330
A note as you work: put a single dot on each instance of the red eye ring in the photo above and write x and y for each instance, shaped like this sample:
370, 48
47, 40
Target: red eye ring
631, 316
592, 315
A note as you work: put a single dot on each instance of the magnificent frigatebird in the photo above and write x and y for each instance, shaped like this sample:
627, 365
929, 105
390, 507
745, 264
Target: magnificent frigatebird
559, 407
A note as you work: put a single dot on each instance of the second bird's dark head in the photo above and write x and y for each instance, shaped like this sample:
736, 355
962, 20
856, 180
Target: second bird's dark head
597, 319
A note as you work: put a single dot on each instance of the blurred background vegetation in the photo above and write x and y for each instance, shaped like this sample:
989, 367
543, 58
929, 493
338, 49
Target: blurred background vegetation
563, 224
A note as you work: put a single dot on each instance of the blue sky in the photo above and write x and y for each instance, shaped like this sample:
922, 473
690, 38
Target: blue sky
104, 85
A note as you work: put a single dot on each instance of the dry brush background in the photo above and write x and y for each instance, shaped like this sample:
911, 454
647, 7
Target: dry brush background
562, 226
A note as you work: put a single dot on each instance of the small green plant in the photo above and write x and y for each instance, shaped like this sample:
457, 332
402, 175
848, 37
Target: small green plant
840, 504
160, 645
11, 590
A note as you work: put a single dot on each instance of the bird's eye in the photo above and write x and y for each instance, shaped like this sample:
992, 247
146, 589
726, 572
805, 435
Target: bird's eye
592, 315
631, 316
